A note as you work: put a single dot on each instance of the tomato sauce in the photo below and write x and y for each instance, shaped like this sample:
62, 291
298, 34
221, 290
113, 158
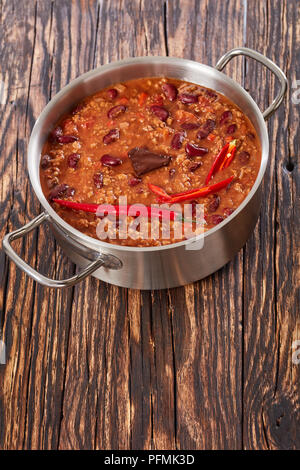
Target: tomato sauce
159, 131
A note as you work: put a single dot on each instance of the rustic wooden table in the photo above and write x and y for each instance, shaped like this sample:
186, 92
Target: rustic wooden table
206, 366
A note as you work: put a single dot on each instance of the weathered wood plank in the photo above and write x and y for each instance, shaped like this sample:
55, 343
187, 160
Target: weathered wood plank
136, 383
271, 323
141, 369
207, 315
18, 26
96, 405
207, 366
36, 320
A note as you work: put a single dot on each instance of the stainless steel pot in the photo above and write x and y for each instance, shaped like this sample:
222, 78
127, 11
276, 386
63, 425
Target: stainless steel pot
154, 267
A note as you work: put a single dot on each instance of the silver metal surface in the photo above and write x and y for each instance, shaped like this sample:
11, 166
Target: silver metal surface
101, 260
244, 51
163, 266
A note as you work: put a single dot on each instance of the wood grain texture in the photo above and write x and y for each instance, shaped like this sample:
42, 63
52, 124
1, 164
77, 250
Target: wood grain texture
207, 321
271, 390
206, 366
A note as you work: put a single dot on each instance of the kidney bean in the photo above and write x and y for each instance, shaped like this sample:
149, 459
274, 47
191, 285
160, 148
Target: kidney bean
55, 133
231, 129
112, 136
112, 93
177, 140
226, 116
170, 91
160, 112
202, 134
194, 150
77, 108
108, 160
228, 211
116, 111
134, 181
211, 95
189, 126
206, 129
58, 191
250, 135
244, 157
73, 160
98, 180
210, 124
187, 98
70, 192
214, 203
66, 139
45, 161
216, 219
195, 166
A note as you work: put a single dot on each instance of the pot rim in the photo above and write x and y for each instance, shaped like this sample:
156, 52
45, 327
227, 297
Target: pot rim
102, 245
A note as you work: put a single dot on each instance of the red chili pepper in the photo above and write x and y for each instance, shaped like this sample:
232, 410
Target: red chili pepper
121, 210
200, 192
77, 205
218, 164
159, 191
229, 155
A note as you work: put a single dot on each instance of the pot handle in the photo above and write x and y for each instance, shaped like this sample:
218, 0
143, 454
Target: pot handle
101, 260
267, 63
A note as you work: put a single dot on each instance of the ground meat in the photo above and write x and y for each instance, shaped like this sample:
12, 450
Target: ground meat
88, 152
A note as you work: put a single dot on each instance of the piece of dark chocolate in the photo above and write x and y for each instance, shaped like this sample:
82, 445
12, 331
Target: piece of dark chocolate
144, 161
